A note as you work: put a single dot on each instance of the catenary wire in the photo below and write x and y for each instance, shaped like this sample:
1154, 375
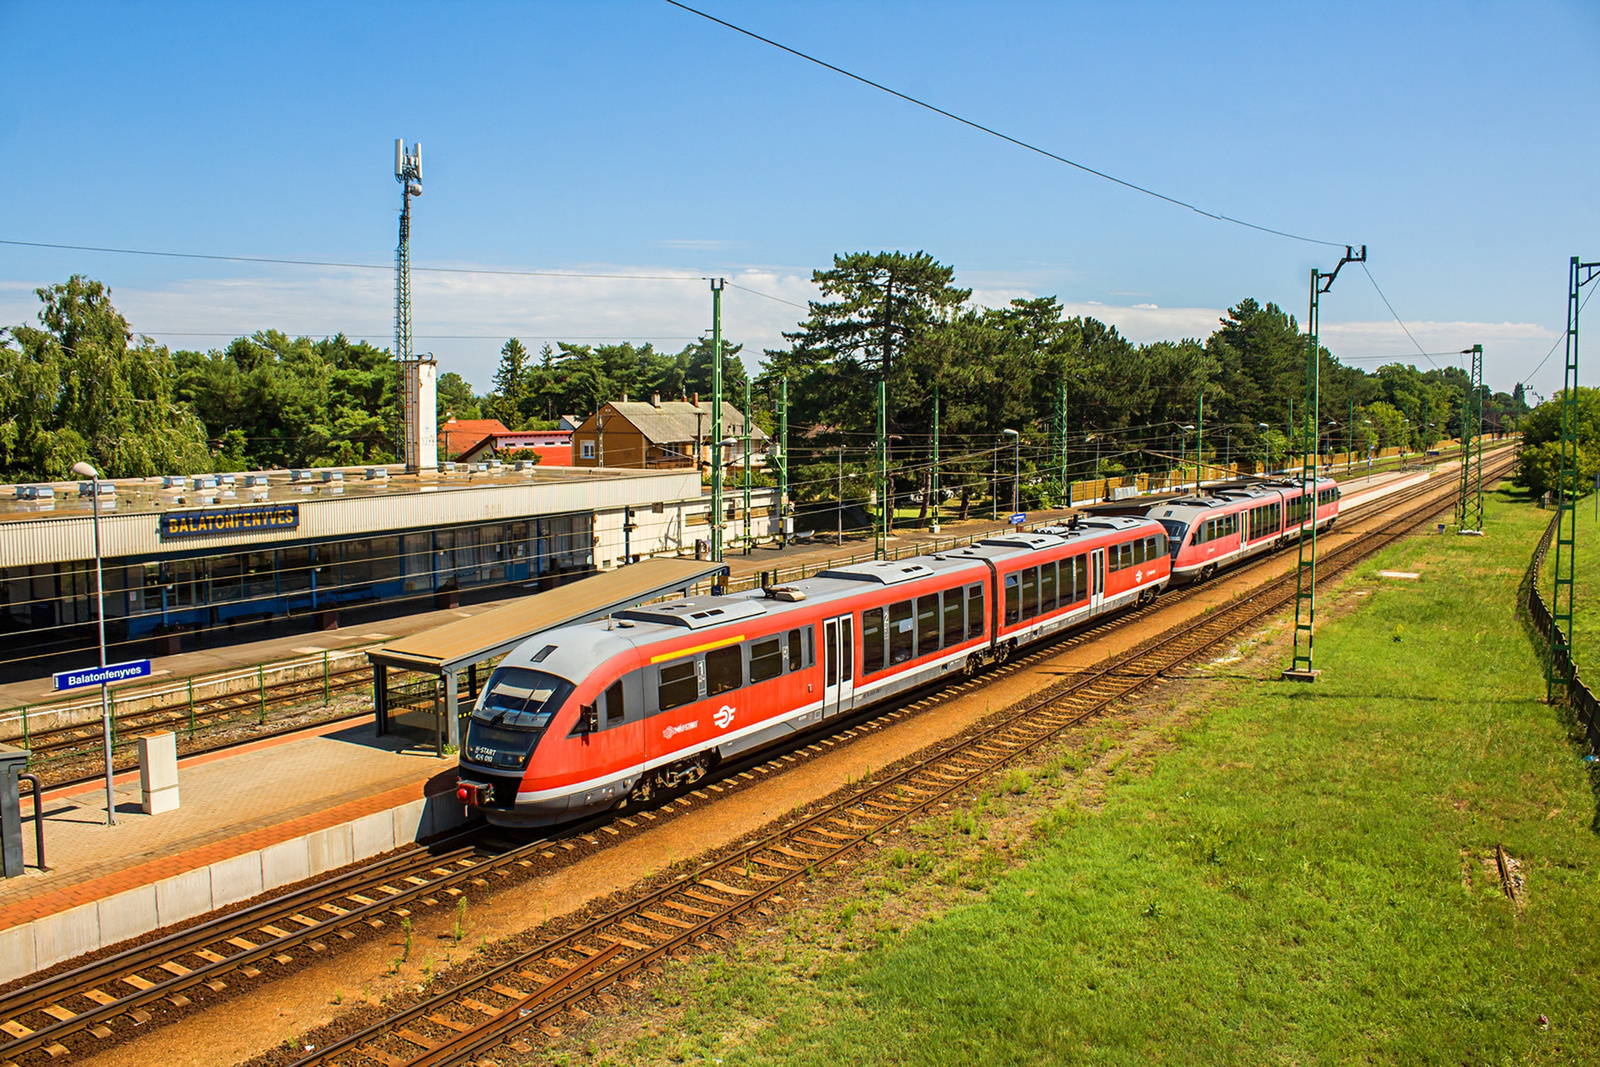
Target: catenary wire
1218, 216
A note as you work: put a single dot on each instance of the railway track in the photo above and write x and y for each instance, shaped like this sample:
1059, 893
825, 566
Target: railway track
497, 1007
99, 1002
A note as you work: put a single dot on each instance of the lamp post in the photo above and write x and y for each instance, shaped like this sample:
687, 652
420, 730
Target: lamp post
1266, 448
86, 471
841, 494
1183, 453
1016, 471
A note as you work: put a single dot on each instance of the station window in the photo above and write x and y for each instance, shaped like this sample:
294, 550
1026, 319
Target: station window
974, 611
587, 450
872, 640
901, 632
766, 659
952, 616
616, 709
724, 670
679, 685
927, 624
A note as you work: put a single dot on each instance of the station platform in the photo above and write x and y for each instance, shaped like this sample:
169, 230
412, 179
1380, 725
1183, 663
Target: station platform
251, 819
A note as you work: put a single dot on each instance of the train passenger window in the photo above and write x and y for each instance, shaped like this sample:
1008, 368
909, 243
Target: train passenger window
679, 685
1161, 544
974, 611
1126, 552
902, 631
615, 709
1047, 587
796, 661
952, 617
848, 644
1013, 600
927, 624
830, 669
1139, 551
724, 670
1030, 592
811, 646
1080, 578
766, 660
872, 640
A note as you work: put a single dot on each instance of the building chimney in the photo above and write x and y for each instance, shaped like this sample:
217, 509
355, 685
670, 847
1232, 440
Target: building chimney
697, 400
624, 398
655, 400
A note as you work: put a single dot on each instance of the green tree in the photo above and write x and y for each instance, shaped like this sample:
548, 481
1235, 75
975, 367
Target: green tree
79, 387
456, 398
1539, 467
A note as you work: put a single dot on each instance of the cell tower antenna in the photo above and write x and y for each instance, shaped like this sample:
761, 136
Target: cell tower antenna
408, 172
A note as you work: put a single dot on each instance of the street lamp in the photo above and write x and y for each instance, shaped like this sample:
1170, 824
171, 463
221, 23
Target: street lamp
1266, 448
85, 471
1016, 471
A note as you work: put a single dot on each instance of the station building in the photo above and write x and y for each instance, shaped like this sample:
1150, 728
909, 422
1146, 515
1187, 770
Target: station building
183, 555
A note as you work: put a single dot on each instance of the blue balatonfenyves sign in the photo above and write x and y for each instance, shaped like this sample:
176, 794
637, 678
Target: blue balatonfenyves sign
108, 675
211, 521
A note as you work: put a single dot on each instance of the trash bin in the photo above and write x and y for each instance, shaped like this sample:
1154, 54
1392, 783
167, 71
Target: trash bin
13, 763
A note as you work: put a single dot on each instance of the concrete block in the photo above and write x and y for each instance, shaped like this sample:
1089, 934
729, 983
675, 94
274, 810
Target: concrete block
371, 834
66, 934
408, 821
444, 813
286, 862
183, 896
330, 848
158, 772
235, 879
16, 952
128, 915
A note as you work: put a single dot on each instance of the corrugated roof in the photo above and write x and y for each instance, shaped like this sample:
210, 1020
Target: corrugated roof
675, 421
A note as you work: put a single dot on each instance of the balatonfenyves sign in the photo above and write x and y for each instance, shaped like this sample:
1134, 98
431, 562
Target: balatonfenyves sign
208, 522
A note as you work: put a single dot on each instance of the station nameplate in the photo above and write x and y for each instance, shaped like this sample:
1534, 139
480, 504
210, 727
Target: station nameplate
263, 518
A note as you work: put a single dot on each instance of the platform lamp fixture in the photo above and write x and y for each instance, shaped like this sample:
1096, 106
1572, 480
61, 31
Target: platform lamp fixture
1016, 470
83, 470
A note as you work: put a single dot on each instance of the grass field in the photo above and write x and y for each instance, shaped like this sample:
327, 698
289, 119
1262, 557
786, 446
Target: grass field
1299, 876
1586, 591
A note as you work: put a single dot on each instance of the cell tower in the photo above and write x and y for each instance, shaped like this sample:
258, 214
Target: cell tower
417, 439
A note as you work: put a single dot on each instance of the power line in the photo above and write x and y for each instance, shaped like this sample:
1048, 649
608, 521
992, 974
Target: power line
769, 296
1218, 216
1557, 345
1397, 318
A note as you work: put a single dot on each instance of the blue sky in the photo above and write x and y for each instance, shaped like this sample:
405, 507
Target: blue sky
1458, 141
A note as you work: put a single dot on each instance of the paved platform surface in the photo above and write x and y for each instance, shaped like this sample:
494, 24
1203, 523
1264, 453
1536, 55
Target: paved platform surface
233, 802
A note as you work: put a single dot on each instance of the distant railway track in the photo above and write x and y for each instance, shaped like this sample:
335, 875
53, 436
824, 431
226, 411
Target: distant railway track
90, 1006
494, 1008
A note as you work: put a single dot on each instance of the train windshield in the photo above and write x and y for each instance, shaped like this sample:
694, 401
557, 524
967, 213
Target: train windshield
1175, 531
512, 714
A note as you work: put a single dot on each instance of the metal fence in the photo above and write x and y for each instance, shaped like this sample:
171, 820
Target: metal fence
1583, 702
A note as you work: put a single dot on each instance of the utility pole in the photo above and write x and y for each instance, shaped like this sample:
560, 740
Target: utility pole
880, 526
841, 494
1305, 597
783, 462
1061, 441
1558, 670
933, 523
1469, 504
716, 419
1350, 435
1199, 442
748, 545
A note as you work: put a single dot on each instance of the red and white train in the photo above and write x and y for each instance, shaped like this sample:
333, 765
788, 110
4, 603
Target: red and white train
1227, 525
585, 717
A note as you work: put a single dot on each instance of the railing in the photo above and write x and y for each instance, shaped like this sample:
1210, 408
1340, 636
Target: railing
1583, 702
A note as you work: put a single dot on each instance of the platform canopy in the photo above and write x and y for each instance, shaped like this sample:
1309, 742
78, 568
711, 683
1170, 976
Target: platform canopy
499, 630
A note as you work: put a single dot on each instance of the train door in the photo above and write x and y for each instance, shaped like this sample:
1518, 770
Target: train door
838, 666
1097, 579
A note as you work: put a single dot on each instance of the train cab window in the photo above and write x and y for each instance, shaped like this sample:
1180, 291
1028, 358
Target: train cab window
952, 617
616, 710
927, 624
679, 685
872, 640
766, 659
724, 670
1030, 592
1047, 587
796, 658
974, 611
902, 632
1013, 600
